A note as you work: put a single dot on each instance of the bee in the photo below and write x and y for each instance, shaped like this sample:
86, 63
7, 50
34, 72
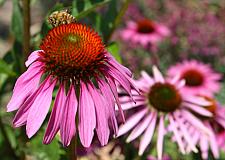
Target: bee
61, 17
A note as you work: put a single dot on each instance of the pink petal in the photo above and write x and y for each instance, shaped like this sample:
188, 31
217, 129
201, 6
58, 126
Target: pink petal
55, 118
147, 77
132, 121
107, 93
22, 114
157, 75
33, 57
213, 143
204, 146
160, 137
197, 100
68, 125
102, 116
118, 66
174, 126
25, 85
114, 91
139, 129
147, 137
195, 122
121, 79
198, 109
130, 105
39, 108
87, 118
185, 133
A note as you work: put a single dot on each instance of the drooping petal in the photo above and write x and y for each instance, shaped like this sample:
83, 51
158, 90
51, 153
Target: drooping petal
161, 133
147, 137
24, 87
56, 114
68, 125
118, 66
131, 122
114, 91
22, 114
107, 93
33, 57
39, 108
87, 118
102, 127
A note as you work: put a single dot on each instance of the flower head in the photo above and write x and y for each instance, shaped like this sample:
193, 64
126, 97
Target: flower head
199, 77
73, 57
161, 100
215, 124
144, 32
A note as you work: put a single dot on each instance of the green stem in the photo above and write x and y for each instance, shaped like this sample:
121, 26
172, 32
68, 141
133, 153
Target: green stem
72, 154
118, 19
26, 28
7, 141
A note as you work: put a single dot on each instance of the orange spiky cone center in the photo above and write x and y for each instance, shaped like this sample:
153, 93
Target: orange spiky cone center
71, 50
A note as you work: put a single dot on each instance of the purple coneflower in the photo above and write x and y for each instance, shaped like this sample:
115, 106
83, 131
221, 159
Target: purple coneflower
215, 124
74, 58
144, 32
199, 77
161, 100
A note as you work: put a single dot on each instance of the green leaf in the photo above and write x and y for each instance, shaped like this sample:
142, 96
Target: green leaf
113, 48
44, 152
6, 68
17, 21
2, 2
221, 95
80, 8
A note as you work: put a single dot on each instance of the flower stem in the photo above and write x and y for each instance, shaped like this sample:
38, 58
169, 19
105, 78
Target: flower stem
118, 19
26, 28
7, 141
73, 149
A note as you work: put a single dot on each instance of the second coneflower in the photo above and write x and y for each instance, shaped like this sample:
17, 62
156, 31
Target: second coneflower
200, 78
72, 57
160, 102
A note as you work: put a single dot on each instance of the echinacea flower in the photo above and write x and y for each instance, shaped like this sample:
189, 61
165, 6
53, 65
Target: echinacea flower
73, 57
215, 124
199, 77
144, 32
160, 101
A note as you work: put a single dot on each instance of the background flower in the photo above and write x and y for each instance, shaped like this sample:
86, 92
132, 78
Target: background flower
160, 100
199, 77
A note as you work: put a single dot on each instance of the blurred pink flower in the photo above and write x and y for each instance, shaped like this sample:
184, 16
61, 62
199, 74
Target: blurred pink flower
221, 140
161, 100
199, 77
215, 124
73, 56
144, 32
